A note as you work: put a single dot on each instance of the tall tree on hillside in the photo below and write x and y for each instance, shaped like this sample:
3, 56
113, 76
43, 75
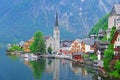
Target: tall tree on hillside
38, 44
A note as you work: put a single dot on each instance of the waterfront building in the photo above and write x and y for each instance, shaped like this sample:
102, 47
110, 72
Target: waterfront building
82, 45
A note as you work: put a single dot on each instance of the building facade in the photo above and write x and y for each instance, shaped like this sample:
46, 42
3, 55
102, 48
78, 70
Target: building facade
114, 19
116, 43
84, 45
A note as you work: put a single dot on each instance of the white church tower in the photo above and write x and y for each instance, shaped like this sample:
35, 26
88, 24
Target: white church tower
56, 35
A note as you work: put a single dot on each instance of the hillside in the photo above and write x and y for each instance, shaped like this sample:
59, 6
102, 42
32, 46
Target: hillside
19, 19
101, 24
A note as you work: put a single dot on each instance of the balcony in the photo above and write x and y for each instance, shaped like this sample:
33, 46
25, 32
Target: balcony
117, 49
117, 57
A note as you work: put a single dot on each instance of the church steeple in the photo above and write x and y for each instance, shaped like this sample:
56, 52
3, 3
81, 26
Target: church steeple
56, 35
56, 20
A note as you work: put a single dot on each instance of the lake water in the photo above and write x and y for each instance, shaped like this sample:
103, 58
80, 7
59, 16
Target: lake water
15, 68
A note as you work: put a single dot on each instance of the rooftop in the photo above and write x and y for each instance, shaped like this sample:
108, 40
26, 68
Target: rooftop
115, 10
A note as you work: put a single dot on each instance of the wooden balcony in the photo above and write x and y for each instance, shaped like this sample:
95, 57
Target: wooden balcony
117, 49
117, 57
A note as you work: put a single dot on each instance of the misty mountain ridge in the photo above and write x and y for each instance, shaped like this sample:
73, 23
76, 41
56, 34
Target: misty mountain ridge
19, 19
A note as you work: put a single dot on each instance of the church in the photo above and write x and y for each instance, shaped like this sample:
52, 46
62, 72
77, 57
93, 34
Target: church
54, 41
50, 41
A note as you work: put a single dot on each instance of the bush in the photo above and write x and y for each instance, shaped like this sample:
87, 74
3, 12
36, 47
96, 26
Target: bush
85, 55
49, 50
93, 57
15, 47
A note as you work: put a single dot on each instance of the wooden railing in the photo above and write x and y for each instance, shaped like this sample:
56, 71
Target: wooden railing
117, 57
117, 49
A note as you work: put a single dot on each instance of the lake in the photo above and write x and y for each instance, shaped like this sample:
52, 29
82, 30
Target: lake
15, 68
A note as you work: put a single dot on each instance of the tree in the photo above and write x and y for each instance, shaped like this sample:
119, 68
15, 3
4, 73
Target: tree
38, 44
49, 50
108, 54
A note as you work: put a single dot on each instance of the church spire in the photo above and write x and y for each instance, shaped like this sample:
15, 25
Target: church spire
56, 20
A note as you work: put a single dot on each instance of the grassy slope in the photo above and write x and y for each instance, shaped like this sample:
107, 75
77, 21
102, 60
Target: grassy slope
102, 24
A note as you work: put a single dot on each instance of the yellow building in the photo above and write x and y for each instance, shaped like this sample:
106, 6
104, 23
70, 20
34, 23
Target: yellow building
27, 44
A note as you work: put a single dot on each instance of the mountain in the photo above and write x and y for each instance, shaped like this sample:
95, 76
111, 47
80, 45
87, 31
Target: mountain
19, 19
101, 24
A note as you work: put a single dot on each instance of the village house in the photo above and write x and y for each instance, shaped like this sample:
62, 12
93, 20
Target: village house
93, 36
101, 34
100, 47
84, 45
75, 46
88, 45
27, 44
114, 19
65, 46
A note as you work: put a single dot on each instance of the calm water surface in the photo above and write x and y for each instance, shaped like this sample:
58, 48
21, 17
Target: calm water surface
15, 68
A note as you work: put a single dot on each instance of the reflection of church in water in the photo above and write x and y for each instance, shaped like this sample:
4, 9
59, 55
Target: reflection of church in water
53, 67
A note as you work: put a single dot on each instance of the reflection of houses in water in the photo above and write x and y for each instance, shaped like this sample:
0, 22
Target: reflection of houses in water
78, 69
53, 66
78, 56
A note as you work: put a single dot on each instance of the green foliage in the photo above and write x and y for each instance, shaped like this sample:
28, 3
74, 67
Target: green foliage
116, 72
14, 57
49, 50
86, 56
112, 33
93, 57
38, 45
38, 68
15, 47
104, 38
102, 24
108, 55
117, 66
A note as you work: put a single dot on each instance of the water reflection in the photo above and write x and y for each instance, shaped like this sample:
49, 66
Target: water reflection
37, 67
58, 69
53, 66
14, 57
